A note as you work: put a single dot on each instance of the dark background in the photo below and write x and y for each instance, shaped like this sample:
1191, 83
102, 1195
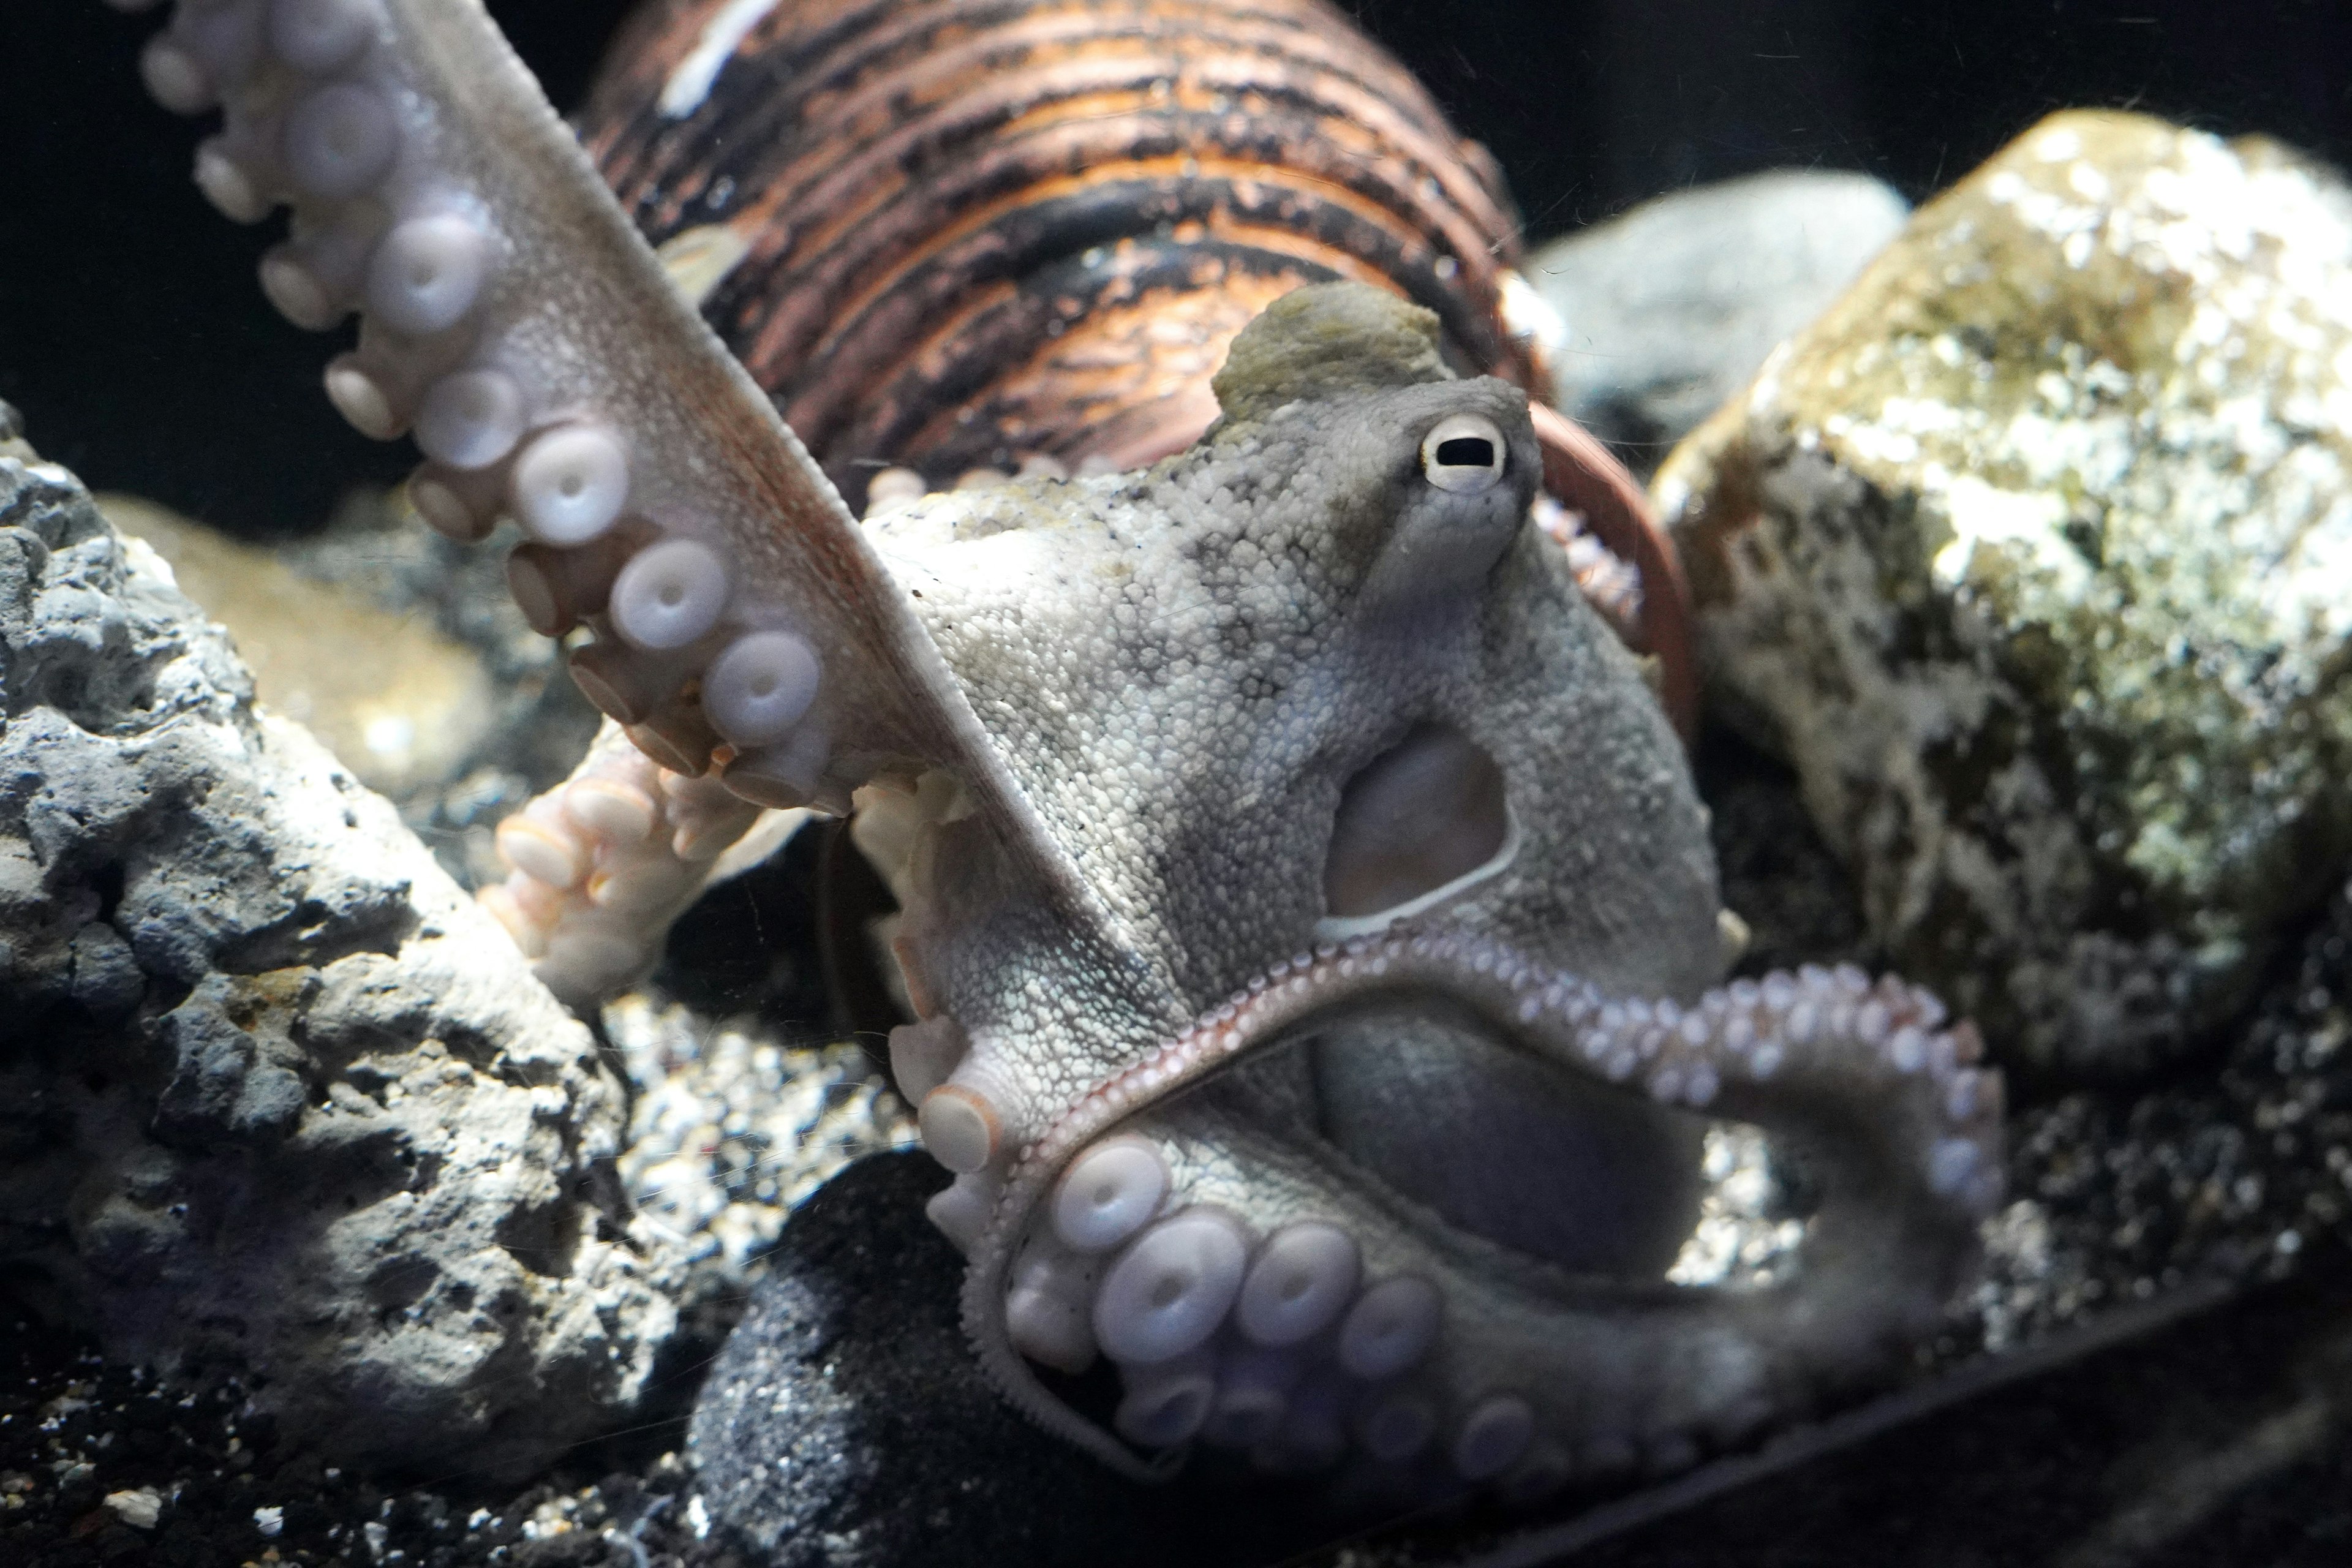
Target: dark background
136, 344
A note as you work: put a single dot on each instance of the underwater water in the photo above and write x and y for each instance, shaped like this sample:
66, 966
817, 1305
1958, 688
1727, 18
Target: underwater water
2020, 585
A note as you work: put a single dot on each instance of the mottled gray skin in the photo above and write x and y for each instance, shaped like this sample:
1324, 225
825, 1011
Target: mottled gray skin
1179, 673
1181, 668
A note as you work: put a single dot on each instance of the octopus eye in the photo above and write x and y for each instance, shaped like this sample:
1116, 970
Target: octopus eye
1464, 453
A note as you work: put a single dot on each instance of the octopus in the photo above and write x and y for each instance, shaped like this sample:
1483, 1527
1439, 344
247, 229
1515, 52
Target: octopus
1314, 948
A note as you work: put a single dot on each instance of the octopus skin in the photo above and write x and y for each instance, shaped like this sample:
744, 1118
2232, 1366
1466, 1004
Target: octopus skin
1264, 821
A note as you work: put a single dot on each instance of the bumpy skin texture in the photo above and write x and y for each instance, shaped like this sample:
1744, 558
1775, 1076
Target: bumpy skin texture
1127, 745
1183, 667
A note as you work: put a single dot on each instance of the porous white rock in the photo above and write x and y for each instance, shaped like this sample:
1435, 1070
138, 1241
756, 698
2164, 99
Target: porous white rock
274, 1094
399, 702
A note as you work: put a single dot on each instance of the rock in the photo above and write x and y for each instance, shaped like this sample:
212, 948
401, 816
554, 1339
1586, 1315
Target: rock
398, 703
403, 650
276, 1098
1670, 307
2032, 556
536, 725
847, 1423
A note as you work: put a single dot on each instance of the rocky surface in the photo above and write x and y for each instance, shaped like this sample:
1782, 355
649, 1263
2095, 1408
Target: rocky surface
274, 1097
1670, 307
2030, 556
400, 649
106, 1464
2231, 1170
536, 725
401, 705
846, 1425
2217, 1439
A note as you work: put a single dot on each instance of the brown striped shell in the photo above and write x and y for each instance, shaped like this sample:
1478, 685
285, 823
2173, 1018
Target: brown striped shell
960, 234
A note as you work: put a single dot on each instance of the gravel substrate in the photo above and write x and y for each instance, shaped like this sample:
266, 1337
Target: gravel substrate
103, 1465
734, 1125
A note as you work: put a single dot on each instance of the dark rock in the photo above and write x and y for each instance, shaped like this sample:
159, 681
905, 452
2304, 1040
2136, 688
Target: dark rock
846, 1424
106, 982
225, 1084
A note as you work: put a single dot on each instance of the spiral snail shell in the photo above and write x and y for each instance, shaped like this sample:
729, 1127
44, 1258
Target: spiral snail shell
950, 234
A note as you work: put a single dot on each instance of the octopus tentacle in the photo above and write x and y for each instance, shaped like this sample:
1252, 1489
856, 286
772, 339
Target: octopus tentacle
1905, 1124
599, 867
1129, 1184
515, 323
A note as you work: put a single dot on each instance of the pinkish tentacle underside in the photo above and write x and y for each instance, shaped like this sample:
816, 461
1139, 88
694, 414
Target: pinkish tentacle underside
1908, 1121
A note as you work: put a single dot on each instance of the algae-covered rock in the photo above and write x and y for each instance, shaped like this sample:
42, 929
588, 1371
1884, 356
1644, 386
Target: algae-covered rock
2034, 555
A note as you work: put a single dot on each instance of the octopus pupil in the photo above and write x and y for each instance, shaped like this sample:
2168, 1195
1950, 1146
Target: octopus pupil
1467, 452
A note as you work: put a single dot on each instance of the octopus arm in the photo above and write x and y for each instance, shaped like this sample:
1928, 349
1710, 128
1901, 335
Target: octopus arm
515, 324
1523, 1373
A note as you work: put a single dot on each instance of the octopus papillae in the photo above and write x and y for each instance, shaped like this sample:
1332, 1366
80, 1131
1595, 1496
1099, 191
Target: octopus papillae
1310, 925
